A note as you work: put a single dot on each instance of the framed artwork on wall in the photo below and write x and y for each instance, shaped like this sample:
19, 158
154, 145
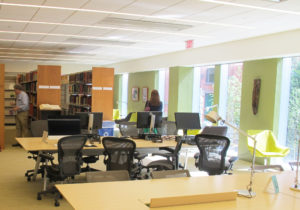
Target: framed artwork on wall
135, 94
145, 94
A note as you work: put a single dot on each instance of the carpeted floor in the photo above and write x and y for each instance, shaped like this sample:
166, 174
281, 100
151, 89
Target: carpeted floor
17, 193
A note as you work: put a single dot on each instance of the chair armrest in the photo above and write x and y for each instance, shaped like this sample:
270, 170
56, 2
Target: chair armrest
167, 149
140, 156
46, 156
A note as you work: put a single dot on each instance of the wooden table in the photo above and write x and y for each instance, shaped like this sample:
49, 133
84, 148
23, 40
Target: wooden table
36, 144
132, 195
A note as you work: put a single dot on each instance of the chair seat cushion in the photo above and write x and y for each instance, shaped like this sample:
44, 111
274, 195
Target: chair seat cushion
162, 164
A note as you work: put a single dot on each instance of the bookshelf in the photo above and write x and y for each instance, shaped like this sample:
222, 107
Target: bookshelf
9, 98
2, 106
92, 91
42, 87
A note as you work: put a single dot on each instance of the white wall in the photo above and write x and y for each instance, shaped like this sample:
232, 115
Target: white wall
13, 66
269, 46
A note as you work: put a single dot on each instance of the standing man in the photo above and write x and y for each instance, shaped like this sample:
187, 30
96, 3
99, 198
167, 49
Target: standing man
21, 109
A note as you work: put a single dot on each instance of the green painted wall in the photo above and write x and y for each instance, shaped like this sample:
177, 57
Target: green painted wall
117, 91
217, 85
267, 70
140, 80
180, 90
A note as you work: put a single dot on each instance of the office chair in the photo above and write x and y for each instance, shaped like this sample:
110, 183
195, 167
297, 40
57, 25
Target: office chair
128, 129
69, 162
170, 174
37, 128
167, 128
90, 156
119, 155
170, 163
213, 151
107, 176
131, 117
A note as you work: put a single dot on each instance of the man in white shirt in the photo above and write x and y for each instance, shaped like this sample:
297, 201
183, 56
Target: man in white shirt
21, 109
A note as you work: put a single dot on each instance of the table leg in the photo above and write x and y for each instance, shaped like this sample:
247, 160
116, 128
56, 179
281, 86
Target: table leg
186, 159
37, 165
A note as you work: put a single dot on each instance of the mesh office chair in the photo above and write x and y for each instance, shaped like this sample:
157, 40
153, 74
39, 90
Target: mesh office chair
69, 162
119, 155
37, 128
170, 174
213, 151
107, 176
128, 129
170, 163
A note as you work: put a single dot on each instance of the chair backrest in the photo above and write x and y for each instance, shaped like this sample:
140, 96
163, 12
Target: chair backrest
107, 176
213, 151
70, 154
120, 153
170, 174
215, 130
128, 129
38, 127
266, 141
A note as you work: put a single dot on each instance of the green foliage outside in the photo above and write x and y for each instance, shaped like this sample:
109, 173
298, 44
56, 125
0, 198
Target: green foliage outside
293, 129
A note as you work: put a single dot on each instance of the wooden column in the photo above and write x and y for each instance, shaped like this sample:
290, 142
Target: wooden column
1, 106
102, 92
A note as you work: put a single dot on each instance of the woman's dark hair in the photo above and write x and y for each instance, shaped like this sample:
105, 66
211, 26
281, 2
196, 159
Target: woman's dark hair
155, 99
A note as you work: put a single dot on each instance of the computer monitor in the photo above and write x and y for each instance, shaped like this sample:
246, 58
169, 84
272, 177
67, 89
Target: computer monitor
144, 119
187, 120
95, 123
64, 125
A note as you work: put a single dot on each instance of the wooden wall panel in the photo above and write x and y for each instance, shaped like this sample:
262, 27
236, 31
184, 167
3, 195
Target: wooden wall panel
49, 76
102, 100
2, 107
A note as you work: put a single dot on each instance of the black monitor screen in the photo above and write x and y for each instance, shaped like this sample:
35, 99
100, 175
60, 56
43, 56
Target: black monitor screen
144, 119
187, 120
84, 119
64, 125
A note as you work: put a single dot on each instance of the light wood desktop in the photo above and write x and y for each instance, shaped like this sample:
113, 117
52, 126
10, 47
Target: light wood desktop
36, 144
133, 195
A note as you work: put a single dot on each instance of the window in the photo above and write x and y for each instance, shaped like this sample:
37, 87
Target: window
230, 100
203, 91
163, 89
289, 121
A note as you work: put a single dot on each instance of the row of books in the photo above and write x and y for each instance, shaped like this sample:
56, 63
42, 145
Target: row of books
74, 109
82, 100
83, 77
27, 77
33, 99
32, 111
80, 89
30, 87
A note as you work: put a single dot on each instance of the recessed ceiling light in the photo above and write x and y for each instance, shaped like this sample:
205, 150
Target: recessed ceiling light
126, 14
252, 7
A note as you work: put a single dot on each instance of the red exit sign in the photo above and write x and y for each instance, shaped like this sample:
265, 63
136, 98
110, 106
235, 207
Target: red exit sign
189, 44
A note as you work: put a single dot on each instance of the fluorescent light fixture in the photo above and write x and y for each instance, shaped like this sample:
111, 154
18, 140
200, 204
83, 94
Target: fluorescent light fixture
42, 50
125, 14
252, 7
103, 27
43, 58
75, 44
85, 37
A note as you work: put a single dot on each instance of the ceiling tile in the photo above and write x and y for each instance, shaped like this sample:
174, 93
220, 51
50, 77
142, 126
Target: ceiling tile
11, 26
51, 15
107, 5
30, 37
40, 28
66, 3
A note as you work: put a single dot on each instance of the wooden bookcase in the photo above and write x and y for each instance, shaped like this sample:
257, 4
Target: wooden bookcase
2, 106
42, 87
92, 91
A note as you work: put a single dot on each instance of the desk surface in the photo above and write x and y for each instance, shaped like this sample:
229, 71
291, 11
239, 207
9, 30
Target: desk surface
133, 195
36, 144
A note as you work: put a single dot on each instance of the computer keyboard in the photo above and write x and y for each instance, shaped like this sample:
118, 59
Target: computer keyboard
150, 137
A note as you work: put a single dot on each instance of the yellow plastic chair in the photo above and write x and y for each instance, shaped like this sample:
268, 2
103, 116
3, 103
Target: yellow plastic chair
266, 146
116, 114
133, 117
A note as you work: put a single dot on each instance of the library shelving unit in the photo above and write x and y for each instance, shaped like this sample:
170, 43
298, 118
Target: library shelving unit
9, 98
1, 106
65, 94
42, 87
92, 91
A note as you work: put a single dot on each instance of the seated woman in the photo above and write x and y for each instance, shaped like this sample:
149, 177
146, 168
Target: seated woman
154, 104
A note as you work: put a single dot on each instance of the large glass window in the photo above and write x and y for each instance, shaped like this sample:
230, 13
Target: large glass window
230, 100
163, 89
203, 91
290, 111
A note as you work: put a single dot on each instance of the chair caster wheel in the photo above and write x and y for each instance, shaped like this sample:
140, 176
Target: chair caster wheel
39, 197
56, 204
28, 179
